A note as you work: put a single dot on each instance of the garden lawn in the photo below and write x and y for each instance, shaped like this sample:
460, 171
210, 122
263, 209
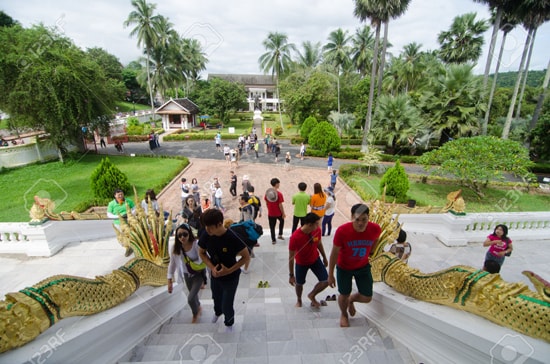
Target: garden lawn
69, 184
495, 200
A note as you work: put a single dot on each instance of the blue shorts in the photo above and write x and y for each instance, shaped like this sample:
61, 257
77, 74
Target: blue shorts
318, 268
363, 280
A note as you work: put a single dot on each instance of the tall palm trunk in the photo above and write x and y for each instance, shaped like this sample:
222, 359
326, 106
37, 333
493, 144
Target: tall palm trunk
540, 102
364, 145
149, 81
338, 83
494, 84
383, 58
508, 123
525, 73
494, 36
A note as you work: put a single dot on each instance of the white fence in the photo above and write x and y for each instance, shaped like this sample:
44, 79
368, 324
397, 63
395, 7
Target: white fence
47, 239
453, 230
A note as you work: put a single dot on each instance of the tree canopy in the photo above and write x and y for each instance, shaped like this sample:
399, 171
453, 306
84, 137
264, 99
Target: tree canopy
50, 84
220, 97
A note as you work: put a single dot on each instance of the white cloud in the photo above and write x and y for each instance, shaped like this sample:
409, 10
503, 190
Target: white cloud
233, 31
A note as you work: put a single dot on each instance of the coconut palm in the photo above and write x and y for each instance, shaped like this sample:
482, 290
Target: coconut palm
190, 60
145, 29
538, 108
277, 59
336, 52
361, 51
463, 42
164, 73
311, 56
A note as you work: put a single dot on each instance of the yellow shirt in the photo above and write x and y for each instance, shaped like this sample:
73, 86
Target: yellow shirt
317, 204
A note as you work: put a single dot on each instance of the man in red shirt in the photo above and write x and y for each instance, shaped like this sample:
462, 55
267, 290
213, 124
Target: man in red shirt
304, 247
275, 209
352, 245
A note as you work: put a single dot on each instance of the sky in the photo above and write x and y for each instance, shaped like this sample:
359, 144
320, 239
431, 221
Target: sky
232, 32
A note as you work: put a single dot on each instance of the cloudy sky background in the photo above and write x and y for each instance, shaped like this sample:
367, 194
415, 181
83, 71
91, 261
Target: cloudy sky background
232, 32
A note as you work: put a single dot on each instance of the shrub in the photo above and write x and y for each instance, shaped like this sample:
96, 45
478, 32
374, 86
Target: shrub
395, 181
324, 137
278, 131
106, 178
308, 125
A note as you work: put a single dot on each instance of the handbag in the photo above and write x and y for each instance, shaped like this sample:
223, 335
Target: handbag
192, 267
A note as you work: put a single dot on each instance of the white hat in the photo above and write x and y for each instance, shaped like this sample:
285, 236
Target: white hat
245, 177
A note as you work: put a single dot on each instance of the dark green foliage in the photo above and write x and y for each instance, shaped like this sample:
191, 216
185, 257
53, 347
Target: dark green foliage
106, 178
540, 139
307, 126
508, 79
324, 137
396, 182
278, 131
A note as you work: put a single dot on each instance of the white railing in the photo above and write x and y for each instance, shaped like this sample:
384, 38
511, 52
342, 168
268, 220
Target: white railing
453, 230
47, 239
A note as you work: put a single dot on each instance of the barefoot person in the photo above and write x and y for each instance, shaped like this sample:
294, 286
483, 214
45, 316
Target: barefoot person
304, 248
352, 245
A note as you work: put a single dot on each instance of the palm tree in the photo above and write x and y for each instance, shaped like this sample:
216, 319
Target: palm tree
396, 8
361, 54
533, 14
337, 53
412, 67
145, 30
507, 28
540, 101
277, 59
164, 75
397, 121
373, 10
453, 103
463, 42
190, 60
312, 55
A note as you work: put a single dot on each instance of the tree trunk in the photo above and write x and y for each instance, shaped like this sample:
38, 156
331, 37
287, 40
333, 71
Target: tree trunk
525, 73
494, 37
508, 123
338, 89
149, 81
383, 58
493, 85
364, 144
540, 102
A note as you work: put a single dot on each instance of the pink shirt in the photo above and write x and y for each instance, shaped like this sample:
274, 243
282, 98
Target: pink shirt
494, 249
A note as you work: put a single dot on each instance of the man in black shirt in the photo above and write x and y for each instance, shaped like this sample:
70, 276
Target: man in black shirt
219, 248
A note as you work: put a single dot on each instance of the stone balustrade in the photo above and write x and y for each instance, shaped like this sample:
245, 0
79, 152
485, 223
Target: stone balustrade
456, 230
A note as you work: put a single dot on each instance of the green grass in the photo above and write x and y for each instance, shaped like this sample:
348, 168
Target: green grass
124, 106
69, 184
515, 199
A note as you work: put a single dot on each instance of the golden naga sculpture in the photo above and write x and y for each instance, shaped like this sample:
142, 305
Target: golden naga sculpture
43, 209
465, 288
455, 203
29, 312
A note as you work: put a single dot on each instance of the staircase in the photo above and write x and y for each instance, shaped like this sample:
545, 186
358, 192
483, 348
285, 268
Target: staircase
268, 328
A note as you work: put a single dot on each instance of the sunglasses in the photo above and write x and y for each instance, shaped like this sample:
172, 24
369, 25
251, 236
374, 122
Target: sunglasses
183, 235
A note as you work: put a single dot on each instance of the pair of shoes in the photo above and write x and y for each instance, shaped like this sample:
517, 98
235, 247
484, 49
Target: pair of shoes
331, 298
229, 329
245, 271
252, 255
281, 237
215, 318
273, 242
262, 284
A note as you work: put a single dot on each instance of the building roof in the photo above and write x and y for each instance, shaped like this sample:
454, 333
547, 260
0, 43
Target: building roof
247, 80
185, 105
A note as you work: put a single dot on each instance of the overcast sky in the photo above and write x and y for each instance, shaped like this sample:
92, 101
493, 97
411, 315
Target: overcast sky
232, 32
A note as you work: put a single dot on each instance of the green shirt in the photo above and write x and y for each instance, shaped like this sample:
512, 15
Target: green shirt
116, 208
300, 201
